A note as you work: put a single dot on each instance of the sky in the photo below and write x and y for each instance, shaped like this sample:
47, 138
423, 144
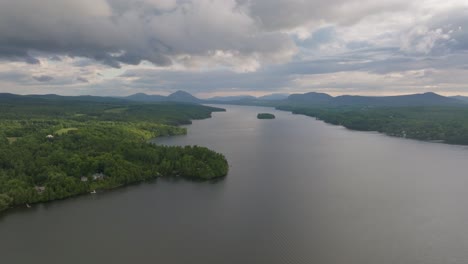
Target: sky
233, 47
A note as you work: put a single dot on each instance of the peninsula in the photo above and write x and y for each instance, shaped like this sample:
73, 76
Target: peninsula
54, 147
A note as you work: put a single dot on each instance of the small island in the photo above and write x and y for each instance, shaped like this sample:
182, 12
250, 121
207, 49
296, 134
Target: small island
265, 116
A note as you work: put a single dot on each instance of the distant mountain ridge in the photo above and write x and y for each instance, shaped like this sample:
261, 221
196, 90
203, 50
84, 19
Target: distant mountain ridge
273, 97
311, 97
231, 98
268, 97
306, 99
424, 99
182, 96
460, 97
8, 97
178, 96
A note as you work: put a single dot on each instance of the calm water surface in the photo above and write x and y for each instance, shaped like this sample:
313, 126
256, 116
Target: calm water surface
298, 191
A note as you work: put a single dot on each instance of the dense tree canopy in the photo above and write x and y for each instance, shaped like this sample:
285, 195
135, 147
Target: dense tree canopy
48, 154
432, 123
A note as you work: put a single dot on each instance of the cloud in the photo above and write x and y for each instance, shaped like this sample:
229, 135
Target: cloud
116, 32
304, 17
43, 78
55, 58
82, 79
122, 46
119, 32
444, 33
13, 76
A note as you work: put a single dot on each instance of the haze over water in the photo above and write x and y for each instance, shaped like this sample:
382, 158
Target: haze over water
298, 191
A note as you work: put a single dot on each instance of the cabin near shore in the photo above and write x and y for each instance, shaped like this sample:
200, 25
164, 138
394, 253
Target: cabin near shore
98, 176
39, 189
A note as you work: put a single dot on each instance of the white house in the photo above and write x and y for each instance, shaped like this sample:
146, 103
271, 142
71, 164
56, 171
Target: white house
98, 176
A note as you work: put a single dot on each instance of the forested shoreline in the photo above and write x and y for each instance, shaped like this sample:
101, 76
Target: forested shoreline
444, 124
52, 150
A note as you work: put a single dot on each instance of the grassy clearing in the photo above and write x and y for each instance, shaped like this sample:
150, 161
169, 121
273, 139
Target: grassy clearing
65, 130
117, 110
11, 140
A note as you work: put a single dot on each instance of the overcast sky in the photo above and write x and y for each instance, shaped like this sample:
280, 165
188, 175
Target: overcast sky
232, 47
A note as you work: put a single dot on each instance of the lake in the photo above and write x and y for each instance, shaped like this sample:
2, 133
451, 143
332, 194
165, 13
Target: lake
298, 191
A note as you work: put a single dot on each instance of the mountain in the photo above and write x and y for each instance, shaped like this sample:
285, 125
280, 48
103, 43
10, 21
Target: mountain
273, 97
460, 98
248, 99
307, 99
231, 98
6, 97
142, 97
182, 96
422, 99
179, 96
86, 98
310, 98
14, 98
425, 99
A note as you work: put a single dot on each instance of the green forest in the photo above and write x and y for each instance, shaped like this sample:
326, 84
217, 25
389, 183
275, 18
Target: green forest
54, 149
447, 124
265, 116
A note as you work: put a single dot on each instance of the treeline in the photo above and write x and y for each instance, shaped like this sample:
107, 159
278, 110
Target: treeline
25, 109
430, 123
47, 158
